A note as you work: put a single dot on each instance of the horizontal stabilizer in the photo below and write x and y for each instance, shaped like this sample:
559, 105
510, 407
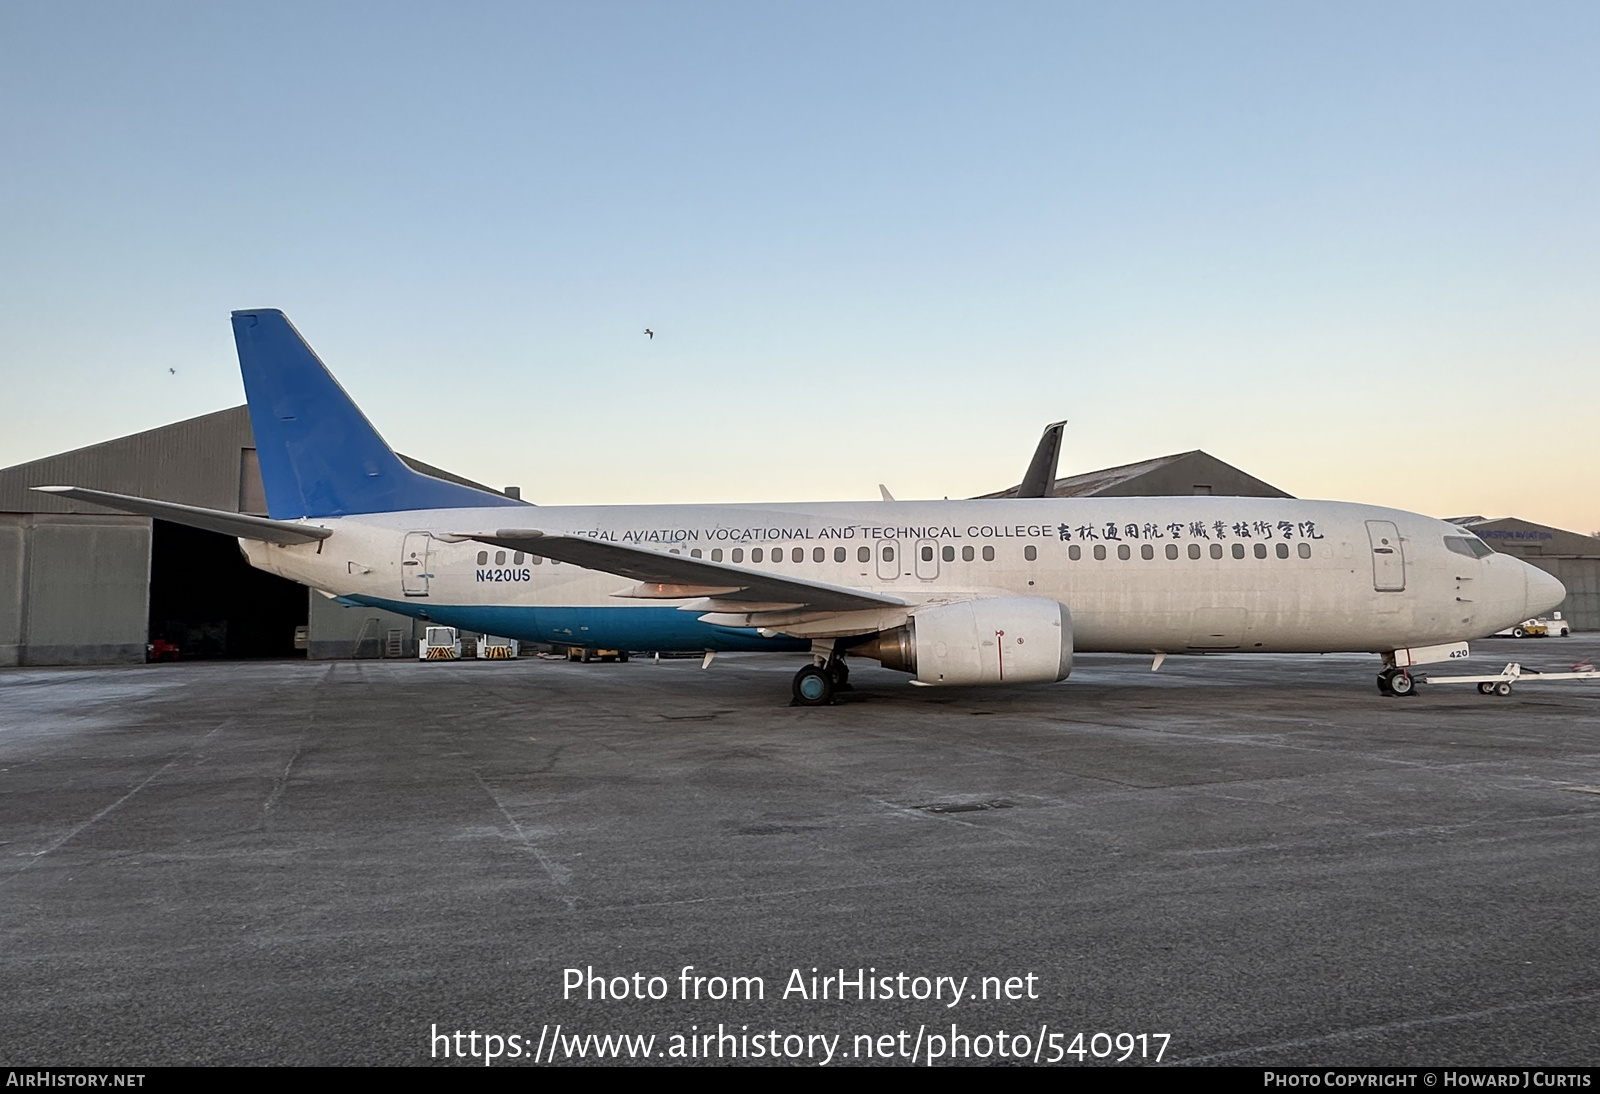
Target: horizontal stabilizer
644, 564
238, 525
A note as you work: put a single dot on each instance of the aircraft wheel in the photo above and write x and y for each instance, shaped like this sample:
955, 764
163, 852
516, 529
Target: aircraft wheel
813, 687
1502, 689
1383, 684
1402, 684
840, 673
1485, 688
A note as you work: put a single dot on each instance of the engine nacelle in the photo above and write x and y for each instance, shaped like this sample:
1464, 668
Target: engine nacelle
997, 640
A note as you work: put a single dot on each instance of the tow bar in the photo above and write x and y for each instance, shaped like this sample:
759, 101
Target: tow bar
1500, 683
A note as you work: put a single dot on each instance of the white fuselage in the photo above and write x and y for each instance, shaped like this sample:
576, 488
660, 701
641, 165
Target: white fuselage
1292, 575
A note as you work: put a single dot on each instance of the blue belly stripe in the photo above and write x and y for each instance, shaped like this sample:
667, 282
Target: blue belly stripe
665, 629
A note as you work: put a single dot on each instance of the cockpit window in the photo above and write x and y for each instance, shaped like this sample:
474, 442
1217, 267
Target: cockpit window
1471, 546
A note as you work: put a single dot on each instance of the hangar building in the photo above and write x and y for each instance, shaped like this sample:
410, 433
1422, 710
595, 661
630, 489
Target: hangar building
1183, 474
1571, 557
82, 585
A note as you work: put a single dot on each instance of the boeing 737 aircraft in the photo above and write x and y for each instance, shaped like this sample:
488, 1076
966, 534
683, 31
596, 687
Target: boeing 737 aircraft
998, 591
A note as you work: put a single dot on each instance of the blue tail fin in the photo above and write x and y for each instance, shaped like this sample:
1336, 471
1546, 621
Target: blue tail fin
320, 457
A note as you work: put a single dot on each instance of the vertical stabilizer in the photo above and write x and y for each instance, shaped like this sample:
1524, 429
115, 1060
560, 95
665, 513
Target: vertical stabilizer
320, 457
1041, 476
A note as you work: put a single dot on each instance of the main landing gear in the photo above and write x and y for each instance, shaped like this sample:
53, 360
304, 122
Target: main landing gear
1393, 681
816, 684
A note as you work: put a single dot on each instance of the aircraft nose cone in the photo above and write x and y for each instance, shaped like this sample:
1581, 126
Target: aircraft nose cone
1544, 591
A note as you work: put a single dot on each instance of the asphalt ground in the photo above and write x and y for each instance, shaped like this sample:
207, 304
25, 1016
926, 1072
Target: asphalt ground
279, 863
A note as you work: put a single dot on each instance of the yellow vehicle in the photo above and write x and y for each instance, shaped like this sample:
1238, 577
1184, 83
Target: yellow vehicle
1555, 626
581, 653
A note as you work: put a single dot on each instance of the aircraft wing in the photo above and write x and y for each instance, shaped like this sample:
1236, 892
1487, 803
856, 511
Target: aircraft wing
666, 576
238, 525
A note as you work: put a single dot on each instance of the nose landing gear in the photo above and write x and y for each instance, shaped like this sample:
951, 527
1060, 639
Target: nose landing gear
1393, 681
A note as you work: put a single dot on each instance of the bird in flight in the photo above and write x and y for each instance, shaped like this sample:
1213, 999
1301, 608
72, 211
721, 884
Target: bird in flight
173, 371
651, 333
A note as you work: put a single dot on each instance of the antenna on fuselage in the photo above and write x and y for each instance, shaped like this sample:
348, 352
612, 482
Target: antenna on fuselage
1041, 476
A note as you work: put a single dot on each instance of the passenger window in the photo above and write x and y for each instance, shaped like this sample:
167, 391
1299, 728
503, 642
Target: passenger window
888, 554
758, 555
1238, 550
1074, 552
1216, 550
799, 555
927, 554
948, 554
1123, 552
1283, 550
968, 554
1261, 550
516, 559
819, 554
499, 558
863, 554
483, 558
1030, 552
716, 554
839, 554
1303, 549
1172, 550
538, 560
988, 554
1147, 551
695, 553
738, 554
1100, 552
1194, 550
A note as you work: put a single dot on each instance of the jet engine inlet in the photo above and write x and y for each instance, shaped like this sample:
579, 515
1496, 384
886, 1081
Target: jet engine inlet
997, 640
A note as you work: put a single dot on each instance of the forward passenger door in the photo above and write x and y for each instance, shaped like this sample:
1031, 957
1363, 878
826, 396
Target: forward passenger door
1388, 557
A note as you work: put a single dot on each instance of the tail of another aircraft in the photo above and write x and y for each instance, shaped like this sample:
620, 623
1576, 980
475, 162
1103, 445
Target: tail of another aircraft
320, 457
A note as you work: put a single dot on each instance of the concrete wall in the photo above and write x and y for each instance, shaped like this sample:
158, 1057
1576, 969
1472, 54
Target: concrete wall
340, 633
12, 584
1581, 576
74, 590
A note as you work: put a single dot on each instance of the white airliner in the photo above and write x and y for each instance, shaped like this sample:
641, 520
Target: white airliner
997, 591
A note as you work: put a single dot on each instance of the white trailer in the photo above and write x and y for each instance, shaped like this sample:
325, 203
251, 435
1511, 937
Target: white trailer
439, 644
1500, 683
491, 648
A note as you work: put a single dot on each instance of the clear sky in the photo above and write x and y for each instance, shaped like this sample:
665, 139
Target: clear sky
1352, 248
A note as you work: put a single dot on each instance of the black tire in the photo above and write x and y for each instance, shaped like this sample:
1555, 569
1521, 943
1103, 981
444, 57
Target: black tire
813, 687
1502, 689
1518, 632
1485, 688
1383, 684
1402, 684
841, 675
623, 656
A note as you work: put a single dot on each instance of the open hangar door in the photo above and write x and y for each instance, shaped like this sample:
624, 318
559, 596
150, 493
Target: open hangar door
207, 601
